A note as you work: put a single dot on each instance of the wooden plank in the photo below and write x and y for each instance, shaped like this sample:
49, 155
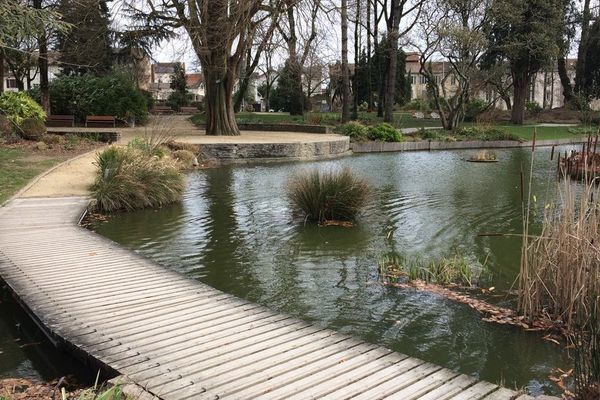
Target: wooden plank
477, 391
181, 339
506, 394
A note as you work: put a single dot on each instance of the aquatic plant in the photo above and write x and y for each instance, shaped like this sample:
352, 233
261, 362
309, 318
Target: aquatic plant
559, 277
484, 155
335, 195
128, 179
453, 270
185, 158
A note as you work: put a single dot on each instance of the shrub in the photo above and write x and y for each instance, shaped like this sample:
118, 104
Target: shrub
418, 105
474, 109
314, 118
18, 106
53, 139
32, 129
177, 100
533, 107
186, 159
115, 94
484, 133
354, 130
384, 132
147, 146
325, 196
129, 179
430, 134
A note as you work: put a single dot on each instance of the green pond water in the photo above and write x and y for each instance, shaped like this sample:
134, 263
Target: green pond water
235, 231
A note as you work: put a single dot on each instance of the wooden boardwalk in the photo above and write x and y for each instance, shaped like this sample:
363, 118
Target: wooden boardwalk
181, 339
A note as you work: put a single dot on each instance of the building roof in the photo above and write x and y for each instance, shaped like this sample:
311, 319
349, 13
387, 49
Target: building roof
165, 68
194, 80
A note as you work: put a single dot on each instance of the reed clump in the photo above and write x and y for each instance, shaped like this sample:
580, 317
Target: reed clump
337, 195
559, 276
446, 271
130, 178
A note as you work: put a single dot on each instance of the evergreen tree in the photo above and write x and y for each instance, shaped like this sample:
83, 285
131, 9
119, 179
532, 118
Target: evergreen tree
87, 47
379, 62
180, 97
591, 76
288, 95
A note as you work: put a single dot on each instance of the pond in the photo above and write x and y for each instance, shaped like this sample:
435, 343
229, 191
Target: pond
25, 352
234, 231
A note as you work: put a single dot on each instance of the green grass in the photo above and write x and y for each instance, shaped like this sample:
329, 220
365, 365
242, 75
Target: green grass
525, 132
18, 167
401, 119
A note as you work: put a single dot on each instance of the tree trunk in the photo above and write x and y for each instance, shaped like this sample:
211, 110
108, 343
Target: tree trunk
393, 37
220, 115
356, 60
43, 66
369, 80
564, 80
582, 52
1, 71
520, 88
345, 72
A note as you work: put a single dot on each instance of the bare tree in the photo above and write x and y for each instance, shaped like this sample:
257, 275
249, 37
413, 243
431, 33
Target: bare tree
345, 71
220, 32
400, 9
455, 30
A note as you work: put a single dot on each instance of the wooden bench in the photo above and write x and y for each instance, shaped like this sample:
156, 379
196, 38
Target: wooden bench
188, 110
100, 121
60, 120
158, 110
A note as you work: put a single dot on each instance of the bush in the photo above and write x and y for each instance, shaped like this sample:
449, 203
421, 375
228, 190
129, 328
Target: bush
325, 196
148, 146
186, 159
115, 94
177, 100
130, 179
533, 107
32, 129
355, 130
18, 106
474, 109
417, 105
484, 133
384, 132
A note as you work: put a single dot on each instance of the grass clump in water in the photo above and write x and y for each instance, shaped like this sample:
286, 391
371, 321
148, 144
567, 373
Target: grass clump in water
129, 178
328, 196
446, 271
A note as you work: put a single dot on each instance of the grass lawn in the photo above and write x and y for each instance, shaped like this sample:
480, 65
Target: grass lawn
401, 119
18, 166
22, 161
543, 132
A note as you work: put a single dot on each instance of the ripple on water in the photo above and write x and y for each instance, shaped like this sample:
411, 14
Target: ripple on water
234, 231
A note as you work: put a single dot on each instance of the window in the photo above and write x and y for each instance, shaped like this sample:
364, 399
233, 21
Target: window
453, 80
413, 79
11, 83
423, 80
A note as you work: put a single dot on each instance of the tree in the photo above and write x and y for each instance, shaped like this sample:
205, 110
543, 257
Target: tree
399, 10
345, 71
288, 95
454, 29
591, 79
526, 33
180, 97
19, 22
220, 32
87, 47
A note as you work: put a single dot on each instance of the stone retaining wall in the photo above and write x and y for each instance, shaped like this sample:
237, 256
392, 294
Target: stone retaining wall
381, 147
246, 152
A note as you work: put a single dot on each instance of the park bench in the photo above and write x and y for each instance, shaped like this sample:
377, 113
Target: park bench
158, 110
100, 121
188, 110
60, 120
